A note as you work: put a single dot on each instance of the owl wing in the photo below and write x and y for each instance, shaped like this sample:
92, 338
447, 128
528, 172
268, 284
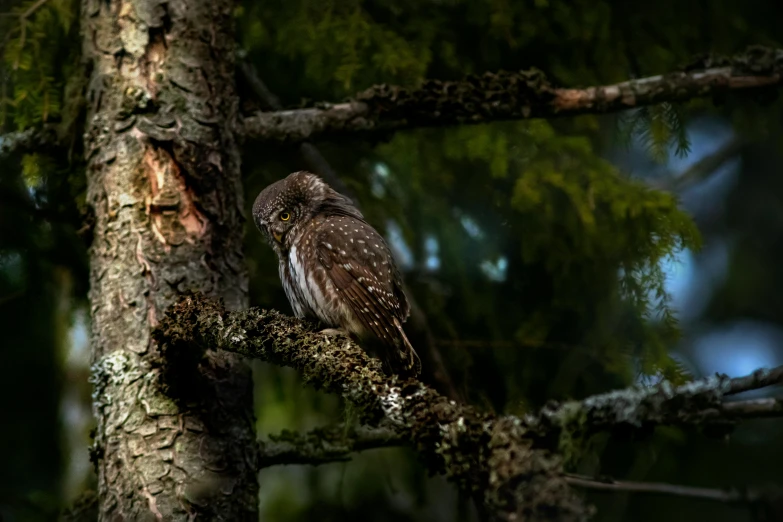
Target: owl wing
361, 268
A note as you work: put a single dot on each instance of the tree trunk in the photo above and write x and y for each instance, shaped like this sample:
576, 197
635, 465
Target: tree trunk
164, 183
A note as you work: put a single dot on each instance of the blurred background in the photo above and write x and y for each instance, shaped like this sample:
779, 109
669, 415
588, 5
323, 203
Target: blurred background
547, 259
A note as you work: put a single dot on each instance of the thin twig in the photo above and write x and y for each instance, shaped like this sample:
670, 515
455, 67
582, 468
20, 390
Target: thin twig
312, 156
730, 496
704, 167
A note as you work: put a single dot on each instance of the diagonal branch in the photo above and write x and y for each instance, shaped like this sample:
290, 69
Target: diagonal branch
704, 167
484, 455
760, 378
311, 155
512, 96
728, 496
495, 458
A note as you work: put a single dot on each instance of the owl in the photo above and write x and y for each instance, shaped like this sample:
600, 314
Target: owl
335, 267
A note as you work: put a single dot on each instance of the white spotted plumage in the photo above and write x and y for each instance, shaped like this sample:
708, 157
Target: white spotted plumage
329, 268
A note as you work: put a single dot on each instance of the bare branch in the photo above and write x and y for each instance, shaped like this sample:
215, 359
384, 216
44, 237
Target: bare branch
704, 167
324, 445
752, 409
512, 96
484, 455
729, 496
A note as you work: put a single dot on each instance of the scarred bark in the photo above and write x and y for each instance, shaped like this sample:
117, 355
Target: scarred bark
164, 183
512, 96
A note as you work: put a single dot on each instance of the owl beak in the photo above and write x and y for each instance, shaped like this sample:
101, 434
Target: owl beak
278, 237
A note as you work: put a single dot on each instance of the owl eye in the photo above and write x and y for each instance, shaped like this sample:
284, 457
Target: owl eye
285, 216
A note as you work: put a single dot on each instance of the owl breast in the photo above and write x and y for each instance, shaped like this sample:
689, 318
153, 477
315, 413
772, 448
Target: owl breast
307, 285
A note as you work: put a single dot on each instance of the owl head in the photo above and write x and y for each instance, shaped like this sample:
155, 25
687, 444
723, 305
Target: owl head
283, 208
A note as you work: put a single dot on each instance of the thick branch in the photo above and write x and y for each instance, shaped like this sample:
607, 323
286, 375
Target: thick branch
484, 455
512, 96
324, 445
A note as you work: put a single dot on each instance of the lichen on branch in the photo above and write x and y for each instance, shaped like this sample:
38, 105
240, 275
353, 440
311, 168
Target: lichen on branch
513, 463
511, 96
482, 454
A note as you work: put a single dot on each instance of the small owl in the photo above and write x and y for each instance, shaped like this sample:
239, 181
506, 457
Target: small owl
335, 267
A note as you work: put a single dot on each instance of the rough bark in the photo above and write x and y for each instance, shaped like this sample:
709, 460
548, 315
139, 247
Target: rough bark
164, 183
484, 455
512, 96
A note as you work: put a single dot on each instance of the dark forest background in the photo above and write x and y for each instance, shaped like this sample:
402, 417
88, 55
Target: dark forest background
551, 259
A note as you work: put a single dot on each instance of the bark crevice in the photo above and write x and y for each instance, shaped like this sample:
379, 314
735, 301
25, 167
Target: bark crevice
164, 183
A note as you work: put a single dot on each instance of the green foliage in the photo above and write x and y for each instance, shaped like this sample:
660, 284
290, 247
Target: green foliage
32, 67
598, 238
659, 128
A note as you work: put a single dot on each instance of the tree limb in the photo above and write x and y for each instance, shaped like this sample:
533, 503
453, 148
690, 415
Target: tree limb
324, 445
482, 454
700, 402
493, 457
729, 496
512, 96
755, 408
760, 378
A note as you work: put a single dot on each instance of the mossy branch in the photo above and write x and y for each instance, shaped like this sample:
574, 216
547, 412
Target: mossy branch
699, 403
484, 455
506, 460
324, 445
512, 96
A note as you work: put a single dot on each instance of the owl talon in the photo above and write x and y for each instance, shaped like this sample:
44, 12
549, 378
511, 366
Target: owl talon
333, 332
